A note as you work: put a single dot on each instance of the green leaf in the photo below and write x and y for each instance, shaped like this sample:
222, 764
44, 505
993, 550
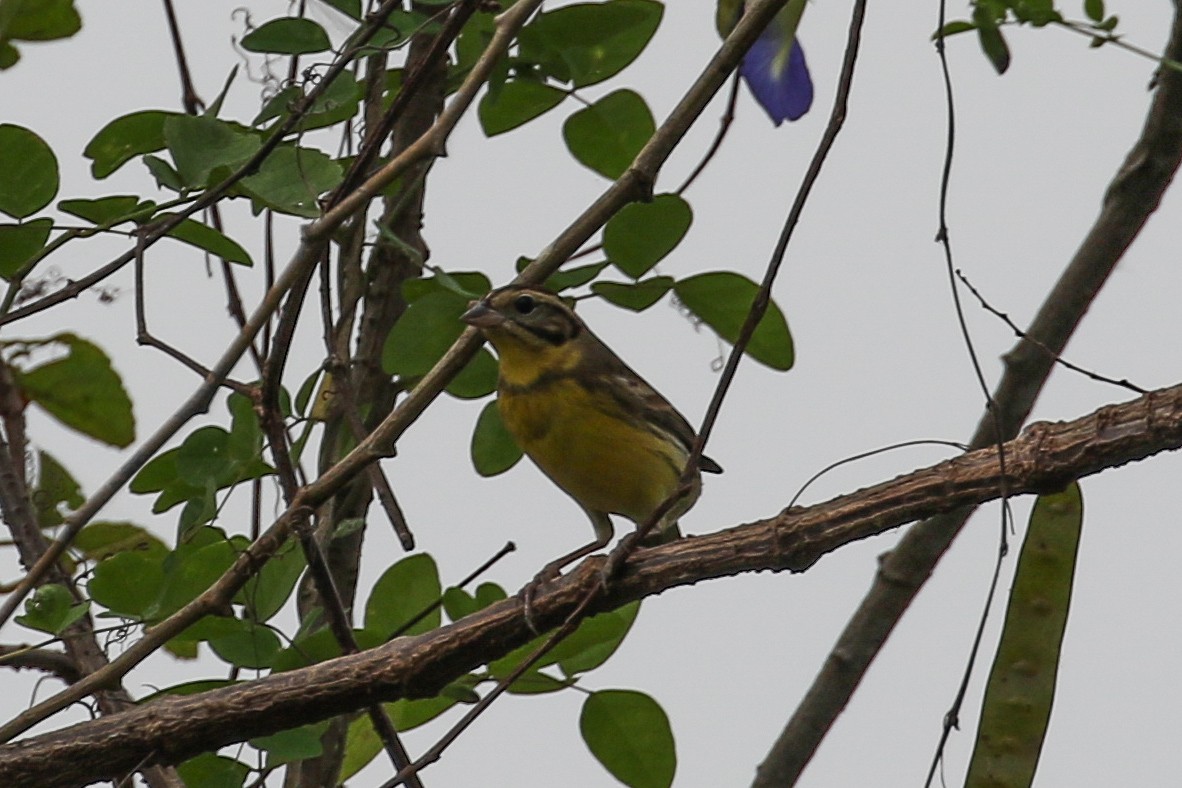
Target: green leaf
638, 296
953, 28
83, 392
993, 43
515, 104
103, 539
641, 234
607, 135
199, 145
267, 592
465, 284
586, 43
106, 210
477, 379
128, 584
493, 449
423, 334
20, 243
458, 603
402, 592
407, 713
1021, 688
51, 609
247, 645
596, 639
287, 36
573, 277
126, 137
191, 574
9, 55
317, 647
629, 734
722, 299
28, 172
209, 239
295, 744
55, 488
362, 743
1094, 10
38, 20
350, 8
164, 174
292, 179
213, 771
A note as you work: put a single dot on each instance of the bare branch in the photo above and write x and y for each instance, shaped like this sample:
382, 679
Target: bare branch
1045, 458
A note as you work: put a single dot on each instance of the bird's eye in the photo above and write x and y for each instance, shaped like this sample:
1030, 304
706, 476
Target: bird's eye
524, 304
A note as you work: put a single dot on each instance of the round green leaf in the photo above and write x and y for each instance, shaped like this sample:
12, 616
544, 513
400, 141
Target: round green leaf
628, 732
493, 448
250, 645
722, 299
517, 102
401, 593
423, 334
596, 639
294, 744
291, 179
28, 172
214, 771
266, 593
641, 234
586, 43
127, 584
477, 379
607, 135
19, 243
287, 36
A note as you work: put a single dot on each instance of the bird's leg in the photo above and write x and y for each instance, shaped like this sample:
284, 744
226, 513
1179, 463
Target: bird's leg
603, 534
661, 533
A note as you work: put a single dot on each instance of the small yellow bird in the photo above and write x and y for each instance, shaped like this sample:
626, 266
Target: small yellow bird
584, 417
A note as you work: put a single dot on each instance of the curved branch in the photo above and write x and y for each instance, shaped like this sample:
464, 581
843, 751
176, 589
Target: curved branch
56, 663
171, 729
1132, 197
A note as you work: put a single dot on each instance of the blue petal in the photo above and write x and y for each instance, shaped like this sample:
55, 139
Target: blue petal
783, 89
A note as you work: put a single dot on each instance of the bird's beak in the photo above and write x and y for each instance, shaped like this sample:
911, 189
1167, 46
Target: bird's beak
480, 315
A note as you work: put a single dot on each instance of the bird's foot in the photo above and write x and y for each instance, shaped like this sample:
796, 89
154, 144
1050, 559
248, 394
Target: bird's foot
548, 573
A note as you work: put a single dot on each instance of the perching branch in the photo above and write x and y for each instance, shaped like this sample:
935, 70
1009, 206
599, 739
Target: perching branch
1045, 458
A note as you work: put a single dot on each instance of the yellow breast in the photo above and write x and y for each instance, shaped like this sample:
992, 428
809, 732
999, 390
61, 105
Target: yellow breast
580, 440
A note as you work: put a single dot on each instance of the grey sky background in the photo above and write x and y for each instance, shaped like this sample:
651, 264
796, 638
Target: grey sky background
879, 360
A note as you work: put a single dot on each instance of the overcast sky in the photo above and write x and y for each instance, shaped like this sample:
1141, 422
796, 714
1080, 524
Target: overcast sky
880, 360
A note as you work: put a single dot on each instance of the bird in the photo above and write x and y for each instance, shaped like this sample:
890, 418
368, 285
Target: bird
585, 418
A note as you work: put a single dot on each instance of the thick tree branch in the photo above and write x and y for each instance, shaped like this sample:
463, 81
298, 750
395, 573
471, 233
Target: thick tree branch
1132, 197
168, 730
